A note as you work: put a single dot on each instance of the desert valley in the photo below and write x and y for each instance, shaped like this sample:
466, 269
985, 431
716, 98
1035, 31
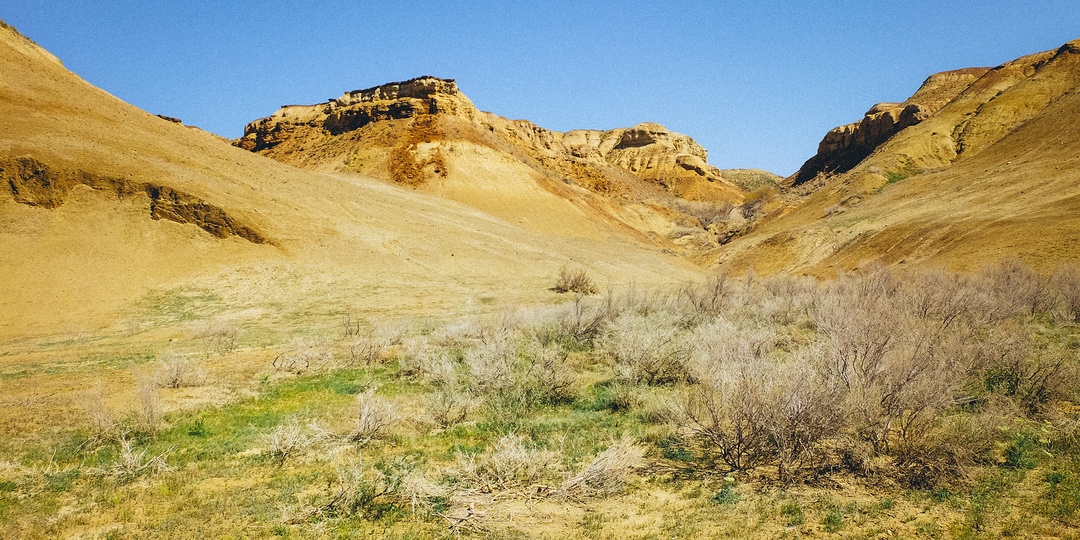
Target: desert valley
392, 314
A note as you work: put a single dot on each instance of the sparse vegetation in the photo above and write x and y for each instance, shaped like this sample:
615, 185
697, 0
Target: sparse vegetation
936, 394
575, 280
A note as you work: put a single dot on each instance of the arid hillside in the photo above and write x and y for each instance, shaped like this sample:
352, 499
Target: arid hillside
103, 206
425, 134
978, 165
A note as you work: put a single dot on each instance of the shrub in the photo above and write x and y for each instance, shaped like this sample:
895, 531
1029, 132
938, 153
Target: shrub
368, 347
217, 336
549, 373
647, 348
606, 474
374, 416
150, 407
131, 463
1067, 282
449, 405
302, 355
490, 364
287, 440
582, 321
710, 297
178, 371
574, 280
1013, 288
509, 463
707, 213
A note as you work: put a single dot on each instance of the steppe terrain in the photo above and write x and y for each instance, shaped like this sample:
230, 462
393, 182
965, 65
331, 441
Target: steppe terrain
393, 314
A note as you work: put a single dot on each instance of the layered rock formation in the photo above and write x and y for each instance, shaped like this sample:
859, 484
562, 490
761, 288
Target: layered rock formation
424, 133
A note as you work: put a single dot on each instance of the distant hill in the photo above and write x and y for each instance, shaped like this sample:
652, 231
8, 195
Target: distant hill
424, 133
978, 165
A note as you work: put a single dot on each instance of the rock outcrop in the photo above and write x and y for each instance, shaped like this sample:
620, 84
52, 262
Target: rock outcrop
649, 151
424, 133
978, 164
844, 147
34, 183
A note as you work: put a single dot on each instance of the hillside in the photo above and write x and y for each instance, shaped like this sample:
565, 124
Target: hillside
424, 133
978, 165
105, 207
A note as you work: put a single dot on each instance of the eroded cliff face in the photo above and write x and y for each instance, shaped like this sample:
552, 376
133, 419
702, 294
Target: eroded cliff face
34, 183
978, 164
960, 113
425, 134
398, 116
844, 147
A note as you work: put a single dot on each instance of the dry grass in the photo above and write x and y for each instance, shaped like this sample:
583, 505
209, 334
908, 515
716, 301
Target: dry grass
605, 475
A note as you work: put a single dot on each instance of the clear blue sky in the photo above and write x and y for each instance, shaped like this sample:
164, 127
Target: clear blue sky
757, 83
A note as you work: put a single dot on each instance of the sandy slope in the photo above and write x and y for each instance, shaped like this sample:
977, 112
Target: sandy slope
993, 173
335, 241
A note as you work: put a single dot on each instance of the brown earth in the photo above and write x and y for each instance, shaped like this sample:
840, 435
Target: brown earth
103, 206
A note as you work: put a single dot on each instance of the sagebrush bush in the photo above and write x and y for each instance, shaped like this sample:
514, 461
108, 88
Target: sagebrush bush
179, 371
647, 348
303, 355
606, 474
1067, 282
574, 280
217, 336
374, 417
508, 463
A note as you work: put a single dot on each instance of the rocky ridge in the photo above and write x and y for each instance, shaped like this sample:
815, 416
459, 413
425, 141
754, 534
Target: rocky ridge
426, 134
978, 164
649, 151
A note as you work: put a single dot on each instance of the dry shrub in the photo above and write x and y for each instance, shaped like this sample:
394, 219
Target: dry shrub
949, 450
582, 320
806, 411
1067, 282
574, 280
368, 348
948, 298
374, 416
647, 348
179, 371
708, 298
1013, 288
150, 407
287, 440
507, 464
131, 463
490, 364
1032, 377
605, 475
217, 336
364, 491
102, 421
449, 405
549, 372
303, 355
729, 404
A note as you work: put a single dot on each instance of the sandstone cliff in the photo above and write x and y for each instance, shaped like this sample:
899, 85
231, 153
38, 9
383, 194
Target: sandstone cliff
426, 134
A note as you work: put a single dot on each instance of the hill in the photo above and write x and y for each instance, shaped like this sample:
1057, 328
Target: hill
978, 165
106, 209
424, 133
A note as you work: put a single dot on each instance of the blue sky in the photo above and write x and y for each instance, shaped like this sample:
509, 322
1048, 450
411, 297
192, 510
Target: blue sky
756, 83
